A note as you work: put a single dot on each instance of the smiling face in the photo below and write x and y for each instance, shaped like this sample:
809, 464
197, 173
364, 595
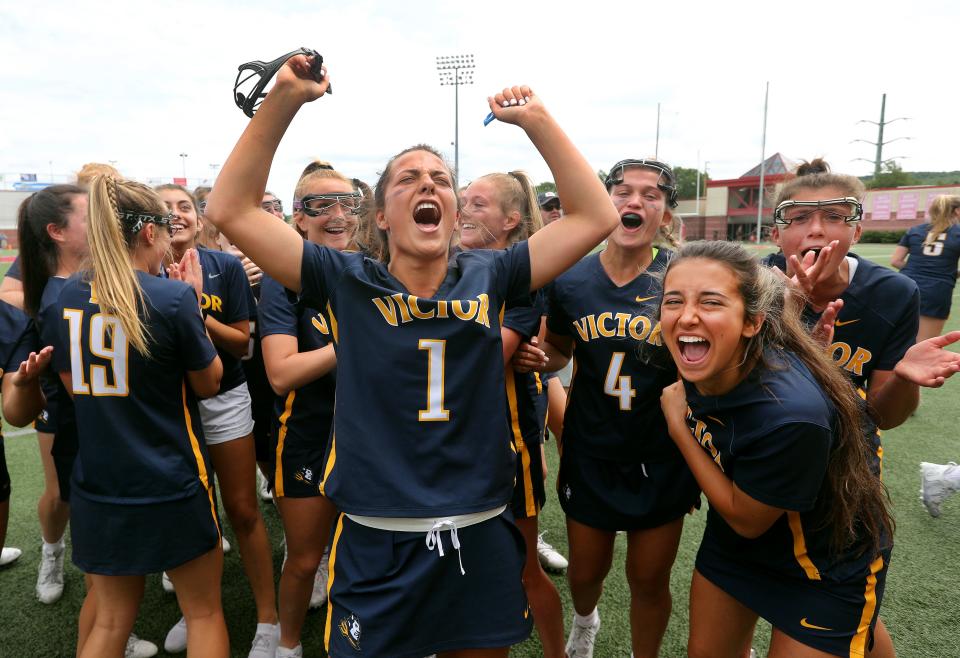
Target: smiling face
704, 325
334, 227
419, 207
642, 207
185, 216
816, 232
483, 223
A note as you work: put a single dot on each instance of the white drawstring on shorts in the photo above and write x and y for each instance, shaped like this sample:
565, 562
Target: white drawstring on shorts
434, 539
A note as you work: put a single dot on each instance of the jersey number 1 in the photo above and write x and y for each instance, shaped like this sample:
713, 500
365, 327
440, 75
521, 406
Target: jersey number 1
436, 356
107, 341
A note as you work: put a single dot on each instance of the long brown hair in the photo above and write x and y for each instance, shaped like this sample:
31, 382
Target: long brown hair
39, 254
856, 505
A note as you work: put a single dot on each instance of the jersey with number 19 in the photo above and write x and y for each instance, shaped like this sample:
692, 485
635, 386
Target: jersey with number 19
420, 423
142, 462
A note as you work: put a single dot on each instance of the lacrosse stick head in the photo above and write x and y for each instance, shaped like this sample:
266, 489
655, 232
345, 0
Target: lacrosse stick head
250, 87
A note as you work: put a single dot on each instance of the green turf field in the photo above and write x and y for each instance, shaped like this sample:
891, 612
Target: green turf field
920, 607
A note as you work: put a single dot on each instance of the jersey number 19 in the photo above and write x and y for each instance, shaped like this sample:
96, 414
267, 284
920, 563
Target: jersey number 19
107, 341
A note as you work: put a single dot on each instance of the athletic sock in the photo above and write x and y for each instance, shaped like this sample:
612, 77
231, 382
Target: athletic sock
54, 547
589, 620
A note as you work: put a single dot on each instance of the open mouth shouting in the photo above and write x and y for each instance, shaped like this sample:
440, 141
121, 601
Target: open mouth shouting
427, 215
693, 349
631, 221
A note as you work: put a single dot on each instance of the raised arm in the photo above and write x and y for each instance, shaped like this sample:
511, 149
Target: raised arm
589, 215
234, 205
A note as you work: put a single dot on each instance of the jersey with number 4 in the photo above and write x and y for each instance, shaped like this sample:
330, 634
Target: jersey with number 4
420, 423
139, 431
620, 364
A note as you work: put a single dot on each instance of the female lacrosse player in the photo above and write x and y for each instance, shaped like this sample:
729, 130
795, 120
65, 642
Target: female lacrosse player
301, 365
798, 531
227, 417
618, 468
499, 210
420, 455
928, 254
133, 352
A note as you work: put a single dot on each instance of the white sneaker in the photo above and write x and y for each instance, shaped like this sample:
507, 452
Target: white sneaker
263, 487
550, 559
582, 638
167, 583
176, 640
50, 577
9, 554
319, 595
265, 641
935, 486
296, 652
225, 544
137, 648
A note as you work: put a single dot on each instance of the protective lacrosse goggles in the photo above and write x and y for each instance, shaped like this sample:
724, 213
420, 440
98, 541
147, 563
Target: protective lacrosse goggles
270, 206
316, 205
133, 222
834, 211
249, 90
667, 182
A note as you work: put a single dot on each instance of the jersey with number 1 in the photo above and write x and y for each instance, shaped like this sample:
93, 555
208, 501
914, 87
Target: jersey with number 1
139, 432
420, 422
620, 364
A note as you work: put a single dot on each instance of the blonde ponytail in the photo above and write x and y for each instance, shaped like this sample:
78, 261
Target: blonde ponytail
115, 284
943, 215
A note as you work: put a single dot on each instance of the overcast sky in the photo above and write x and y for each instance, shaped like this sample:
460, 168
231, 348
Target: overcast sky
140, 82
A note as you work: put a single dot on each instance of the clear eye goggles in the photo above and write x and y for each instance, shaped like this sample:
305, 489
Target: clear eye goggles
832, 211
316, 205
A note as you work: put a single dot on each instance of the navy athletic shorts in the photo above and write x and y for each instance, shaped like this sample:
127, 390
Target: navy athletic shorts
613, 495
392, 596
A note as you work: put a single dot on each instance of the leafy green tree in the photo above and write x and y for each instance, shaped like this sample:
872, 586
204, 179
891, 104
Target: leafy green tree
891, 175
687, 182
545, 186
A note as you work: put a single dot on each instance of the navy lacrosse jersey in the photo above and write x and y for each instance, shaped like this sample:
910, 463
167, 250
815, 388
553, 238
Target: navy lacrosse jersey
937, 260
140, 435
49, 317
14, 271
307, 412
620, 364
18, 337
225, 299
420, 427
772, 435
526, 394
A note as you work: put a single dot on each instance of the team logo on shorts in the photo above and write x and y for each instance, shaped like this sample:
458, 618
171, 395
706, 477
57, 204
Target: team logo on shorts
44, 416
305, 474
350, 629
567, 492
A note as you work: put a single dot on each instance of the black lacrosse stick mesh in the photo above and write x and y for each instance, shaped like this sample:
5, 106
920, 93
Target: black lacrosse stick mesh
253, 78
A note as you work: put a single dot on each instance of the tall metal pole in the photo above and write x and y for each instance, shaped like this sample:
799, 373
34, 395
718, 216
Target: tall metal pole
656, 145
450, 68
698, 182
879, 160
456, 125
763, 157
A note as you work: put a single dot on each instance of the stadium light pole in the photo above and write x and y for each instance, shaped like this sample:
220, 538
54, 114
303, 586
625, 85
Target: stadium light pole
183, 165
763, 157
456, 70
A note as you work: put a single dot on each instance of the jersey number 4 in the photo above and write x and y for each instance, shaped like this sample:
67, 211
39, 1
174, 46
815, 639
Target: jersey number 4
617, 385
107, 341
